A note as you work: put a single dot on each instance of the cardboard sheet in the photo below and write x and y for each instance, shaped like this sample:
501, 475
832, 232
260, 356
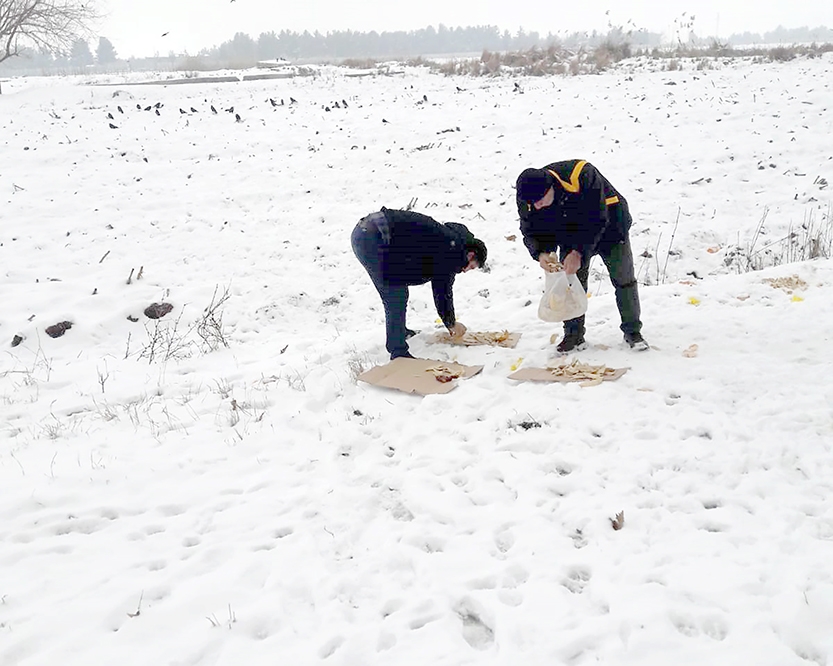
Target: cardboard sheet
414, 375
476, 338
545, 375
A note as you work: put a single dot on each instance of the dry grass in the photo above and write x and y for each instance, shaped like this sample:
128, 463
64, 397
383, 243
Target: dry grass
557, 60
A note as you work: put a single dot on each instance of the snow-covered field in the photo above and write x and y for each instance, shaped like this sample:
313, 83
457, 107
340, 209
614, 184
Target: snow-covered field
167, 499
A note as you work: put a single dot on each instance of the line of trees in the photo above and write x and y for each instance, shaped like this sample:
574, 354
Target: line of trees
426, 41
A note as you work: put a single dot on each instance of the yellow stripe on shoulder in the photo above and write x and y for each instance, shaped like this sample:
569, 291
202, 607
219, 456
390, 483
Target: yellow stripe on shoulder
612, 200
573, 185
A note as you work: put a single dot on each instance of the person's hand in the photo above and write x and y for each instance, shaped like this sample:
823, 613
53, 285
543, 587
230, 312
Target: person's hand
572, 262
549, 262
457, 331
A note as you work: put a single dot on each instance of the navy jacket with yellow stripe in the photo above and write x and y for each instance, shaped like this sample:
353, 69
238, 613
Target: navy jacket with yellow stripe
587, 212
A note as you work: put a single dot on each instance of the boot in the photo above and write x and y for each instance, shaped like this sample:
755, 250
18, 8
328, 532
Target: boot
572, 341
636, 342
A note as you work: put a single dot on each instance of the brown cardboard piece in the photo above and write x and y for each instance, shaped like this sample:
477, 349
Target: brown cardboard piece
412, 375
545, 375
473, 338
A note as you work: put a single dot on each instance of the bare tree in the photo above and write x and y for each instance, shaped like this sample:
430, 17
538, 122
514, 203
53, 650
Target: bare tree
51, 25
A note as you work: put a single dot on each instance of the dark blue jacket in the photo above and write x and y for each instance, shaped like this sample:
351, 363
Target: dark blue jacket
587, 212
422, 250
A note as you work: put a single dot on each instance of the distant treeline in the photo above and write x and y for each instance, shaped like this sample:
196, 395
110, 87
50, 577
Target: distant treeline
243, 50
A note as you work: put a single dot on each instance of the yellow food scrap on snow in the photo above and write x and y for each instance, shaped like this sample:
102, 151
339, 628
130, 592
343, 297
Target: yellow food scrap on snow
797, 299
694, 301
517, 364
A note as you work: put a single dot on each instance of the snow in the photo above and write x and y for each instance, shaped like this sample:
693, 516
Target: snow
254, 504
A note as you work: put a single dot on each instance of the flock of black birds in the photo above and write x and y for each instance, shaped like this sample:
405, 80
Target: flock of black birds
156, 108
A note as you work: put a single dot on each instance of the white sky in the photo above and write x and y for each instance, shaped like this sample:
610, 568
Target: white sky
135, 28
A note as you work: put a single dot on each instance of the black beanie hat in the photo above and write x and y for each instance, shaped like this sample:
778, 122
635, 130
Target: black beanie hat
533, 184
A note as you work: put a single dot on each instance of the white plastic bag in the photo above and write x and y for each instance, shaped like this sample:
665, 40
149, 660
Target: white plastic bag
564, 297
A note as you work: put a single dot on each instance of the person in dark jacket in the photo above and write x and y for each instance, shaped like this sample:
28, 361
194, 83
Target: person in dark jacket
399, 248
572, 208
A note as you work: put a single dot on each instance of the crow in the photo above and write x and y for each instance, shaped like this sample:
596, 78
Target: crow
112, 126
292, 100
344, 103
158, 105
193, 110
425, 98
110, 115
148, 108
120, 109
139, 106
230, 109
336, 105
272, 102
157, 112
213, 110
183, 112
238, 118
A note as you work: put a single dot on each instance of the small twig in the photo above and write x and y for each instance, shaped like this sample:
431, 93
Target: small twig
232, 618
104, 257
139, 274
671, 242
23, 471
656, 254
130, 277
139, 607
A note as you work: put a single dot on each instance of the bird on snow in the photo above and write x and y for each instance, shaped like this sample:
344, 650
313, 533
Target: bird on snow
193, 110
213, 110
112, 126
237, 118
120, 109
110, 115
344, 103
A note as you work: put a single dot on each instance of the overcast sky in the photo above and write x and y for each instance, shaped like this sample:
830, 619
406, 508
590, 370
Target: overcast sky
136, 27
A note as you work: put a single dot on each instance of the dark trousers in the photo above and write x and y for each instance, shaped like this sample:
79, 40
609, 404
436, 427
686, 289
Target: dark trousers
619, 261
369, 239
